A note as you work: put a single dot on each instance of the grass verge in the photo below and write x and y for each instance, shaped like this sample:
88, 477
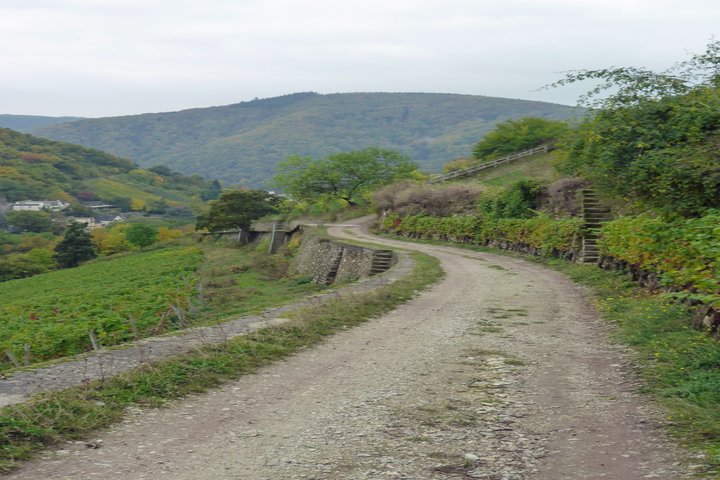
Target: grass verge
680, 366
71, 414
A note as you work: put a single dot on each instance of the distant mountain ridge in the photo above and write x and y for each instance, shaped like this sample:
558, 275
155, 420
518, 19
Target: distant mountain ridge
26, 123
242, 143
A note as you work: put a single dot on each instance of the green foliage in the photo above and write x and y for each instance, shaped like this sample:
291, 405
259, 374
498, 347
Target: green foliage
212, 192
513, 136
20, 265
141, 235
53, 312
654, 141
519, 200
685, 253
237, 209
29, 221
76, 246
546, 235
346, 176
243, 143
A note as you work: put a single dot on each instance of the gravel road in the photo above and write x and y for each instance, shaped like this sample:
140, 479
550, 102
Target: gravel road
500, 371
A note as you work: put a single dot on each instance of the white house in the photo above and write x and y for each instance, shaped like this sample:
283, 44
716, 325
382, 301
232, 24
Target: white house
38, 205
105, 220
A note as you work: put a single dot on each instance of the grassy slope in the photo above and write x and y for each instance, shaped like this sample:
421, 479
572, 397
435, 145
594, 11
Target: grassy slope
37, 168
242, 142
53, 312
536, 167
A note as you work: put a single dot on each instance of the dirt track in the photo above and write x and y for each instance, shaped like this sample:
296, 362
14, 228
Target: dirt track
501, 371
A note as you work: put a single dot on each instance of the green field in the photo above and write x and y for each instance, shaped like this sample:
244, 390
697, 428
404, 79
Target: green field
132, 296
53, 312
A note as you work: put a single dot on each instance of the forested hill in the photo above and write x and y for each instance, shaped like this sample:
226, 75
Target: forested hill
242, 143
26, 123
33, 168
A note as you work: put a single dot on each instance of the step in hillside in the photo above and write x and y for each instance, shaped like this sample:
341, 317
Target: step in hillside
382, 261
334, 267
594, 214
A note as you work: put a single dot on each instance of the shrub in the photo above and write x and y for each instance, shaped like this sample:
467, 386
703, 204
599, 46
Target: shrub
417, 198
685, 253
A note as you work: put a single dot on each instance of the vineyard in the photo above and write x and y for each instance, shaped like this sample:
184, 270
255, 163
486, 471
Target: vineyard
548, 236
114, 301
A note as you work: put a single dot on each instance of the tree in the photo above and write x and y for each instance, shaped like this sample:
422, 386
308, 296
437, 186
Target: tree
345, 176
29, 221
212, 192
141, 235
75, 247
653, 140
513, 136
237, 209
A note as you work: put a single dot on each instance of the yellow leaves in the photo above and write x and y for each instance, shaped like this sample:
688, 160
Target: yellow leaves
165, 233
138, 204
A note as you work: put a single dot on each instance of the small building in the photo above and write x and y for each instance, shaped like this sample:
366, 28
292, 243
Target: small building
39, 205
106, 220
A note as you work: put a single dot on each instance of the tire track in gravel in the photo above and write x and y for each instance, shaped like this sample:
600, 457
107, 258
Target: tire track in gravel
500, 371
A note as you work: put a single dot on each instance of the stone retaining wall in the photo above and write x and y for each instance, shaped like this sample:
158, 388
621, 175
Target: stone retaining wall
328, 260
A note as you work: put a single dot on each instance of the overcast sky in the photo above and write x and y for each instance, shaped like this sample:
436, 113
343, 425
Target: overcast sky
116, 57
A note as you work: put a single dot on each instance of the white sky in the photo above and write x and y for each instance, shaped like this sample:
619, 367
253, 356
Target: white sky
117, 57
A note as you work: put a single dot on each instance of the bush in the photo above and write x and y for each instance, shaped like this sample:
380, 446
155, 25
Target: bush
542, 234
684, 253
521, 200
419, 198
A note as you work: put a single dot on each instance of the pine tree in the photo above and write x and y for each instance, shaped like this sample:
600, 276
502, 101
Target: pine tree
75, 247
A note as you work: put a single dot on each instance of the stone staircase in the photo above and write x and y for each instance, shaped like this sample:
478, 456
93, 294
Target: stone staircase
382, 260
594, 215
334, 266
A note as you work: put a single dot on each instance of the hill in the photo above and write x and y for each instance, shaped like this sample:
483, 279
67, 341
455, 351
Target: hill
242, 143
37, 168
26, 123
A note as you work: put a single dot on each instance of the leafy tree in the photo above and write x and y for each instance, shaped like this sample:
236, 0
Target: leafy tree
513, 136
111, 240
29, 221
237, 209
141, 235
212, 192
75, 247
343, 175
653, 140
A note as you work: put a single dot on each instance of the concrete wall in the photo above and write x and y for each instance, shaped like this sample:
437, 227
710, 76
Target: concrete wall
318, 257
